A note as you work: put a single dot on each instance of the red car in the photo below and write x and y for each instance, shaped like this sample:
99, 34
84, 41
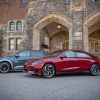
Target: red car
64, 61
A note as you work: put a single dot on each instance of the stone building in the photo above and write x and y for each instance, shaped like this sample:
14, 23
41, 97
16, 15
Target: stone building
12, 19
60, 24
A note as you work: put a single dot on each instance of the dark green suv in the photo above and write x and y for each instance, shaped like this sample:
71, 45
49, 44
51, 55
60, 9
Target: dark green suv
17, 60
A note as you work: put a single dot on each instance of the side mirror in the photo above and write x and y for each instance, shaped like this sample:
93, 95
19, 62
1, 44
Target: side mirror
17, 56
62, 57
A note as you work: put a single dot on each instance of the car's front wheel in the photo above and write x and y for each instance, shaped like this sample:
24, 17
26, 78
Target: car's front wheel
94, 70
4, 67
48, 71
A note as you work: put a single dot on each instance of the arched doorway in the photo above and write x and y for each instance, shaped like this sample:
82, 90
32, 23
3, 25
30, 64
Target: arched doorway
53, 30
92, 31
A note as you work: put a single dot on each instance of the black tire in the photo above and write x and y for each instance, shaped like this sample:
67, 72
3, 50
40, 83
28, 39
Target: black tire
94, 70
48, 71
4, 67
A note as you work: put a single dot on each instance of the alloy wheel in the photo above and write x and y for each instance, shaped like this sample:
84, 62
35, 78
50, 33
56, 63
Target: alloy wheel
48, 71
94, 70
4, 67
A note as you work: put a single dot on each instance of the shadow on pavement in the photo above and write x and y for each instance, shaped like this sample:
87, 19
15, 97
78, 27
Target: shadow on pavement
26, 75
59, 75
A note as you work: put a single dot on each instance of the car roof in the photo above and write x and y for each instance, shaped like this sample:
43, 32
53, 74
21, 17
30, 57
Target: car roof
70, 50
30, 50
81, 51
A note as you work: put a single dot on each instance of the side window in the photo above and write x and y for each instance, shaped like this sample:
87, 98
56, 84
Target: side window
69, 54
84, 55
24, 54
37, 54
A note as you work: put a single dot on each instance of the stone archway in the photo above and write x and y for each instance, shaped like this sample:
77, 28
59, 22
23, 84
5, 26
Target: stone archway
51, 18
91, 29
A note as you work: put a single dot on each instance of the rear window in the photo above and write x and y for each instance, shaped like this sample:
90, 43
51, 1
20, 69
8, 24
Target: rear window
38, 54
83, 55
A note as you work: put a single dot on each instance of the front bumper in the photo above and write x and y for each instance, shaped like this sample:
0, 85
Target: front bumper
31, 72
28, 68
33, 69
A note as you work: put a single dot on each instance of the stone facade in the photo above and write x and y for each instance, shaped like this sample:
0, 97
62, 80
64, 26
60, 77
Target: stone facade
76, 17
11, 11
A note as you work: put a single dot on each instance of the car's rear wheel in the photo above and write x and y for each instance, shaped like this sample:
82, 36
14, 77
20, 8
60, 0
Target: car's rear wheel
94, 70
48, 71
4, 67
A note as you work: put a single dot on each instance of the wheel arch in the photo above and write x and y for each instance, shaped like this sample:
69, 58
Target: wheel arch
52, 64
5, 60
93, 64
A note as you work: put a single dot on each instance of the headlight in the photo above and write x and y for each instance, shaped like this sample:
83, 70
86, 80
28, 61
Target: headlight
36, 63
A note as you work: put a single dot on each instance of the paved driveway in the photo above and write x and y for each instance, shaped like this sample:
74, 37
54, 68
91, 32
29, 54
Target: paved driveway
21, 86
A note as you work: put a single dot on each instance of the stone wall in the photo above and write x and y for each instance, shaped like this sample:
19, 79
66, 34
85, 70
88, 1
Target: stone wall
74, 10
58, 39
92, 6
38, 10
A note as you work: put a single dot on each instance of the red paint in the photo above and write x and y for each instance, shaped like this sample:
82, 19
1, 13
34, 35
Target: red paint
65, 64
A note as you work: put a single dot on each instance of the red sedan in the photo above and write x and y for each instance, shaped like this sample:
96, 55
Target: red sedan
64, 61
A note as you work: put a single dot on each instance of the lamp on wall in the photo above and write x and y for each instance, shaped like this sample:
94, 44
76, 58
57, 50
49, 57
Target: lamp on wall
59, 26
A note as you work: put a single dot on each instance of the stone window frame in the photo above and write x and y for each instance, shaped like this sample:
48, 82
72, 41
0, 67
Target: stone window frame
24, 1
18, 25
10, 26
15, 42
74, 5
11, 44
15, 21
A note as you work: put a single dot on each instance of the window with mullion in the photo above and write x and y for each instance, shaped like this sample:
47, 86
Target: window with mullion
24, 1
19, 25
18, 41
11, 44
12, 26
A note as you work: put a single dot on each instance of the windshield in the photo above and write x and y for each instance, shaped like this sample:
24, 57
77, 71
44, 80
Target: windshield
54, 54
14, 54
10, 55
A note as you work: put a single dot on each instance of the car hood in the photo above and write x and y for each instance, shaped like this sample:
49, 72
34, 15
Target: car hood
31, 61
40, 59
5, 57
